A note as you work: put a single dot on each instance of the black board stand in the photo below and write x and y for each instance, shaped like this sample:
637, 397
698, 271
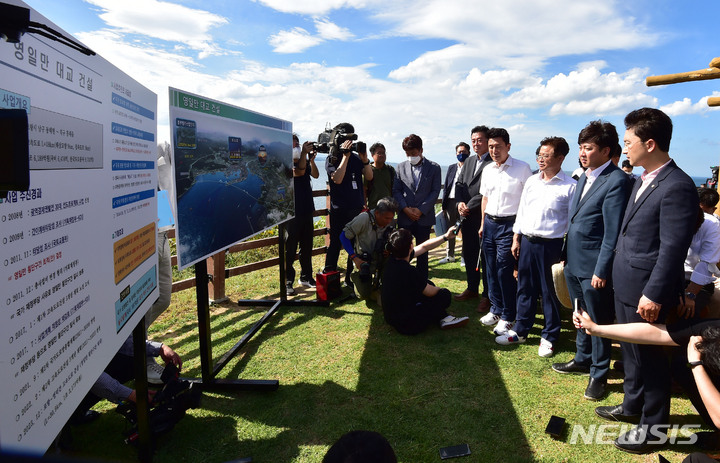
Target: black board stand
209, 372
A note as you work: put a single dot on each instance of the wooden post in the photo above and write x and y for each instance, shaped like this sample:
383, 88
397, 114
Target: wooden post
216, 286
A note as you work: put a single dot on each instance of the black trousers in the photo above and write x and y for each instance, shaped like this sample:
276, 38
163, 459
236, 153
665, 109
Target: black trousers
338, 219
647, 373
299, 232
471, 249
430, 310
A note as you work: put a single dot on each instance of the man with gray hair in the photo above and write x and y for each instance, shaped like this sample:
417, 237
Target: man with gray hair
364, 240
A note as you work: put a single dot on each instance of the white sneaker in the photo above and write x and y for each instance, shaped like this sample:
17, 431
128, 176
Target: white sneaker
510, 338
462, 262
502, 327
446, 260
489, 319
453, 322
154, 372
546, 348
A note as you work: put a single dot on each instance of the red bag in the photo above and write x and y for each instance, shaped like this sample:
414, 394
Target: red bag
327, 285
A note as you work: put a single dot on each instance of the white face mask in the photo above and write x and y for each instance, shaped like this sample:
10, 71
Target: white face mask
296, 153
415, 160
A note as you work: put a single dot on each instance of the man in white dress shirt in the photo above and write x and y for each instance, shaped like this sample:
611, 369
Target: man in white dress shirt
542, 221
501, 187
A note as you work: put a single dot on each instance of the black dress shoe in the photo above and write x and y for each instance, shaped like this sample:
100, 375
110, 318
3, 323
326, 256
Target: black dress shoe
637, 441
615, 413
595, 389
571, 367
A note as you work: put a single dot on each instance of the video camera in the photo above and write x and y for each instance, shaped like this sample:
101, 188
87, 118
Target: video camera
168, 405
330, 140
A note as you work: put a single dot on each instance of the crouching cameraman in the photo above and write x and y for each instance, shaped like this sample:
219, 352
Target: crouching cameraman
369, 231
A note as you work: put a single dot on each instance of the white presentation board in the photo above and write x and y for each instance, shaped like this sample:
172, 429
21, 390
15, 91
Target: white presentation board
78, 249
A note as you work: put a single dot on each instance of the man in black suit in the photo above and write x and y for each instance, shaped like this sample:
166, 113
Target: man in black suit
595, 217
648, 272
449, 203
469, 205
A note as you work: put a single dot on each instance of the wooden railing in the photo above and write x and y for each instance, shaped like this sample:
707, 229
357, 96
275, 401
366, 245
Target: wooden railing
216, 263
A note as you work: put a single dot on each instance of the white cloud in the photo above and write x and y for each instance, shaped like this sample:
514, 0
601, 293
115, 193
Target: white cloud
491, 84
296, 40
603, 105
585, 91
510, 34
313, 7
331, 31
163, 20
686, 106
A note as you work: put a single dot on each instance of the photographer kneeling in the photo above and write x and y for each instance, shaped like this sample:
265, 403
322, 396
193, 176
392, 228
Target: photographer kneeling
410, 302
369, 231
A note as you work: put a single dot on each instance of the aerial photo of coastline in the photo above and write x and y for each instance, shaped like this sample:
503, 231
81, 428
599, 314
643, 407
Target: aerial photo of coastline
232, 182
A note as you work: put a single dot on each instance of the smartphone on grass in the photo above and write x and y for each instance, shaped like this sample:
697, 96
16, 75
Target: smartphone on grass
454, 451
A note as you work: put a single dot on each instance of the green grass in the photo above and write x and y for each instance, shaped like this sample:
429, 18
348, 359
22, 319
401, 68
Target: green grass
342, 368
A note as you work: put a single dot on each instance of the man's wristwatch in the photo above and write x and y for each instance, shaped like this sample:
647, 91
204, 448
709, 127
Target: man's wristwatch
690, 295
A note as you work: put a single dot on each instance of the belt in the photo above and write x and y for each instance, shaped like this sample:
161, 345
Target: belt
496, 219
538, 239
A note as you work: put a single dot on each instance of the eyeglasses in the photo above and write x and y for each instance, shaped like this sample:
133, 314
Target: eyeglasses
628, 144
543, 156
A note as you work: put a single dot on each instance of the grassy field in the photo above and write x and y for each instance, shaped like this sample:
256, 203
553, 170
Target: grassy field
342, 368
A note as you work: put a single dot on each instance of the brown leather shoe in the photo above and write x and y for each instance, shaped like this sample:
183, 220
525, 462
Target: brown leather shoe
484, 305
466, 295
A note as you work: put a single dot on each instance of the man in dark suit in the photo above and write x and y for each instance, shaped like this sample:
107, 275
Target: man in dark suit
595, 216
449, 203
648, 272
469, 205
416, 189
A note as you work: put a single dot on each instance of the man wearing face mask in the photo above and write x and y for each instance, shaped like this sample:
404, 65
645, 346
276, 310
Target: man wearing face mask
416, 188
449, 204
300, 229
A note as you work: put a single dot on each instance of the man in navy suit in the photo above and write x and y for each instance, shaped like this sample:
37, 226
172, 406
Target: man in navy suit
449, 203
595, 216
648, 272
469, 205
416, 189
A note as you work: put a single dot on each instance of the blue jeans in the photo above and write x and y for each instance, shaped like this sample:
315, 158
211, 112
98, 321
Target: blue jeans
500, 264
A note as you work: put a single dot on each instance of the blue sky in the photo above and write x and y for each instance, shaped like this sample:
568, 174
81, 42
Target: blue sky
431, 67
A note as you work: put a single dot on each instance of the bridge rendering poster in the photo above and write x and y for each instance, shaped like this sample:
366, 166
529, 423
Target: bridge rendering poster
78, 260
233, 172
